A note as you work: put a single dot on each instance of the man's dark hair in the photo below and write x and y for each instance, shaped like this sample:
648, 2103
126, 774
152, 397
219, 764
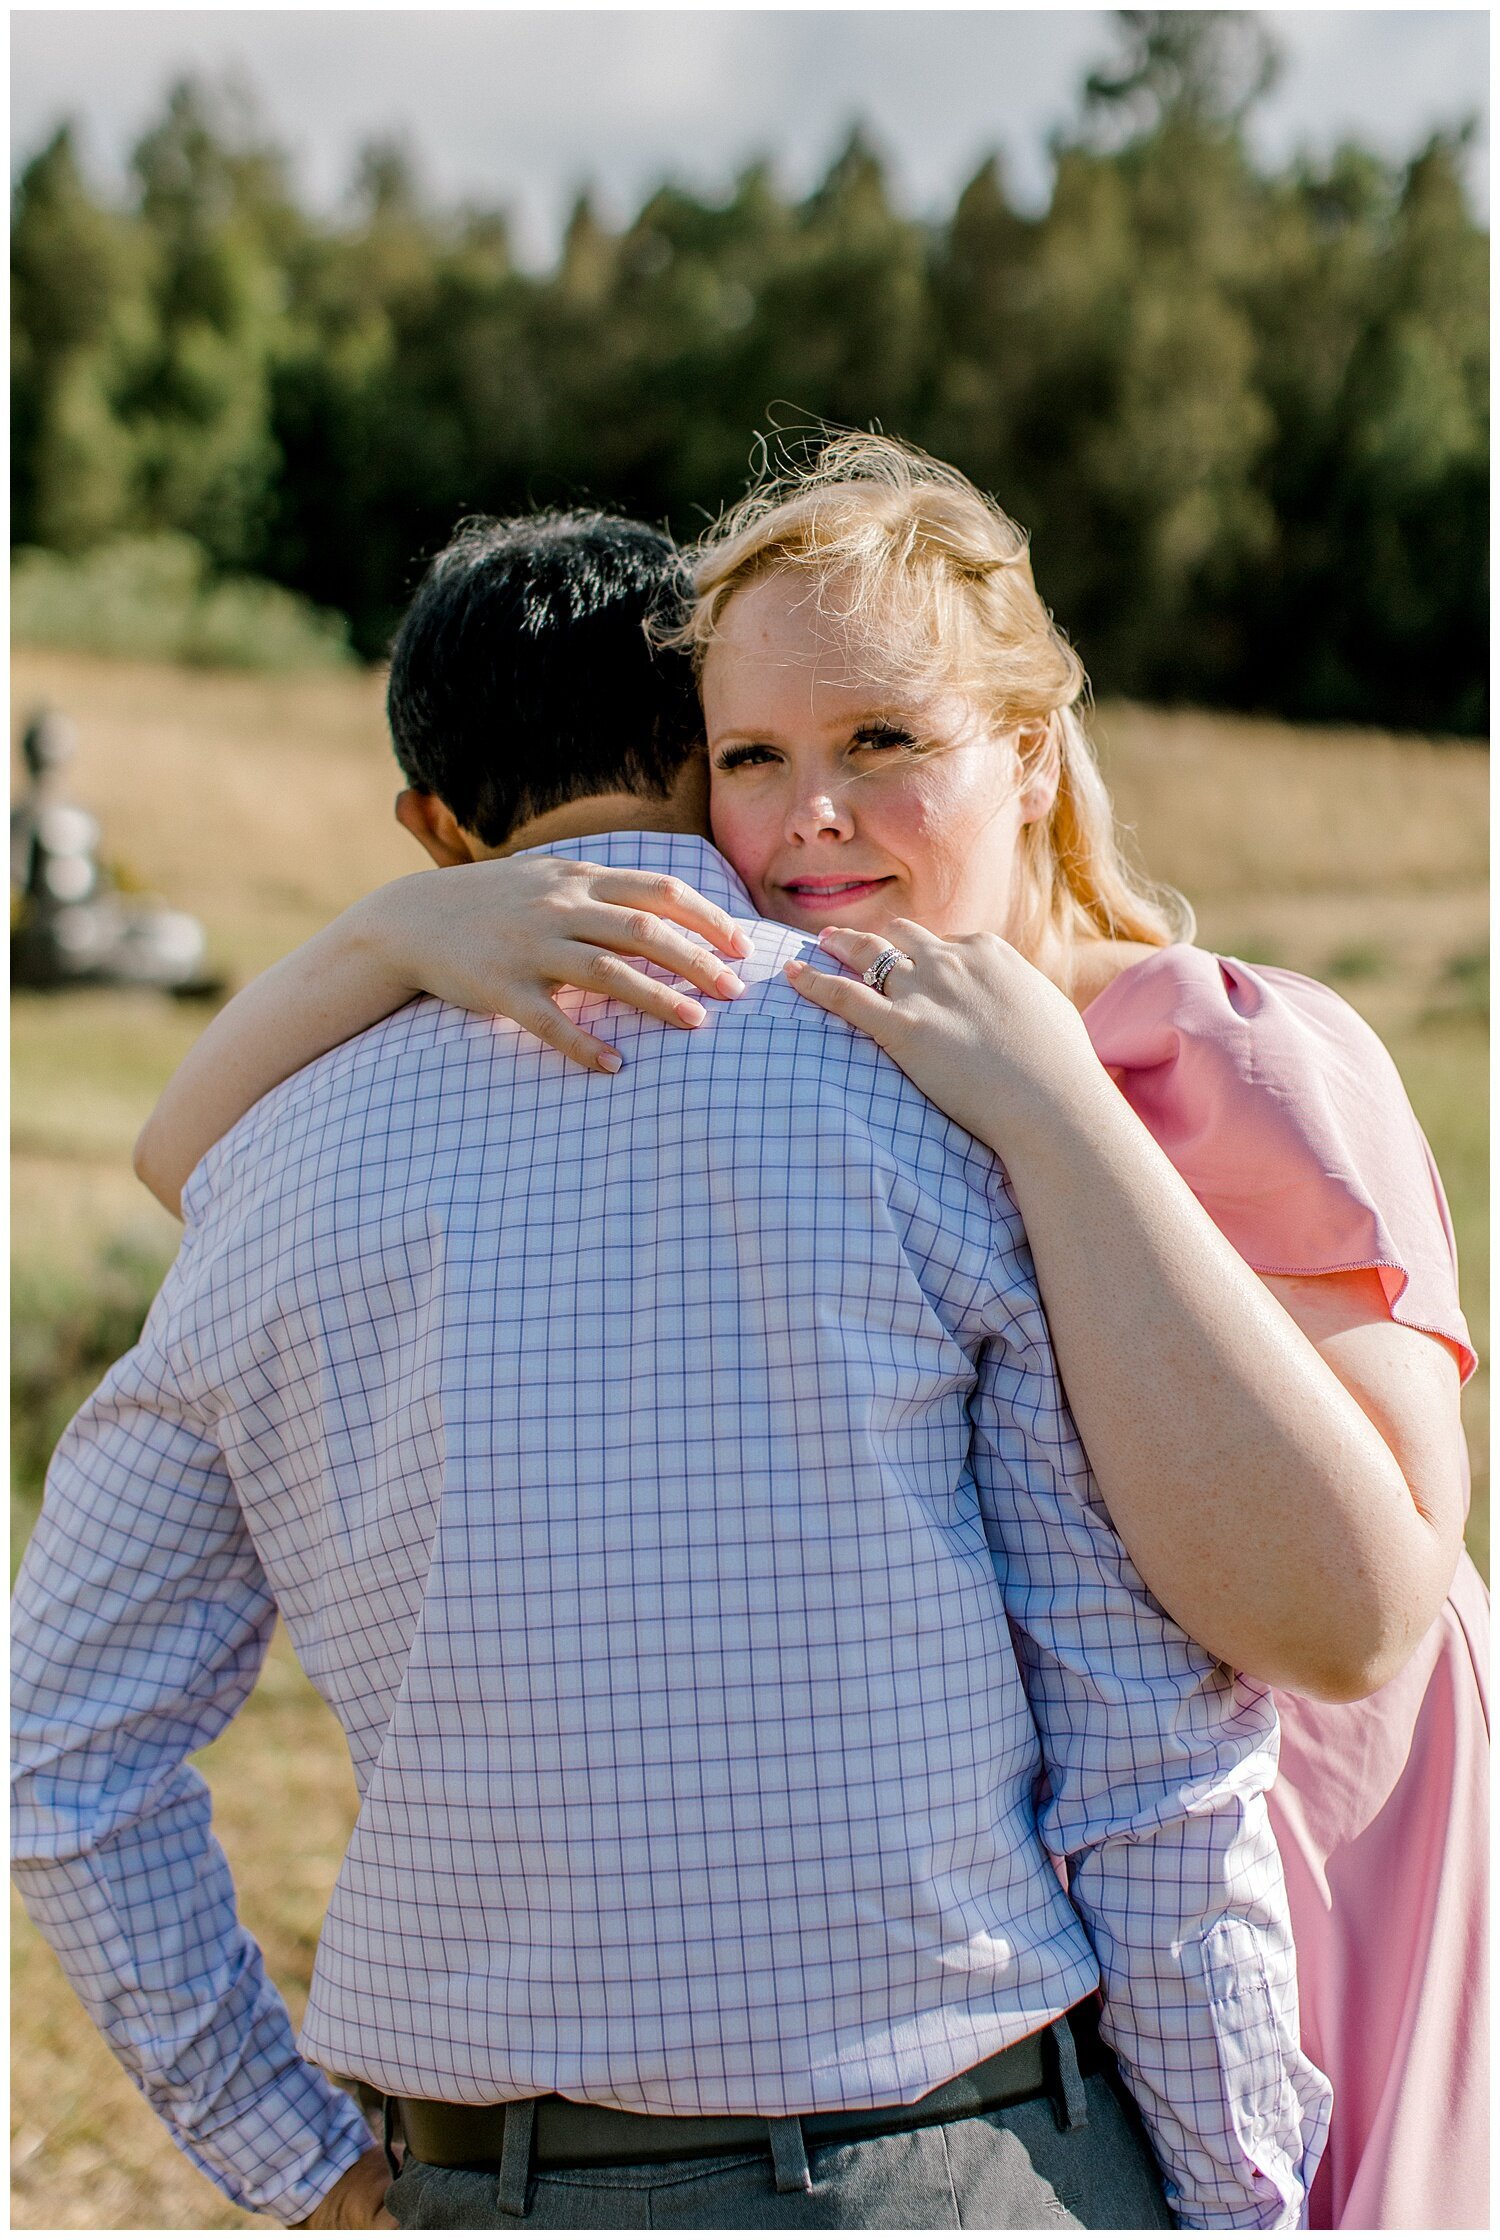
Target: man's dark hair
523, 677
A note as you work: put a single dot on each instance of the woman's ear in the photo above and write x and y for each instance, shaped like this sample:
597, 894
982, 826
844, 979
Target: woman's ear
434, 826
1039, 748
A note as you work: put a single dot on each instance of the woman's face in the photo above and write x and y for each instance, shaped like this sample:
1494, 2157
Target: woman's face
842, 803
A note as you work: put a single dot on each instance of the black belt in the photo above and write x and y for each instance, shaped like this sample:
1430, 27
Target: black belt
571, 2134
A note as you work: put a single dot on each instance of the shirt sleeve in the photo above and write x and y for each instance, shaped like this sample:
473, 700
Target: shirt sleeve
1156, 1760
141, 1620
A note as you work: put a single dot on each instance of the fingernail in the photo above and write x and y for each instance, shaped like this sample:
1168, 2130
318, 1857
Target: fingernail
691, 1014
729, 984
793, 966
742, 943
610, 1061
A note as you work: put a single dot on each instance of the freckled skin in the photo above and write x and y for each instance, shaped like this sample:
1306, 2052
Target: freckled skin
841, 802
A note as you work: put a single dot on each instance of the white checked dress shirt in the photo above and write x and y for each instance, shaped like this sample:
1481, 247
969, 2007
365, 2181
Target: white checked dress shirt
667, 1481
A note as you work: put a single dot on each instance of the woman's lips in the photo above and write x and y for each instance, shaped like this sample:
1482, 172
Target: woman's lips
831, 894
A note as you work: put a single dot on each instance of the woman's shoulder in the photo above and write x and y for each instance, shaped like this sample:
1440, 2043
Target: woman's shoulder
1219, 1018
1096, 965
1286, 1115
1134, 982
1259, 1046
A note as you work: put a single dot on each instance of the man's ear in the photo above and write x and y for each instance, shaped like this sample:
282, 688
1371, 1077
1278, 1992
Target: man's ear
434, 826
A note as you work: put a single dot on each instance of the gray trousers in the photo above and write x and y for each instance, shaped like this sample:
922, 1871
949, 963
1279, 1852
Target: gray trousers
1014, 2170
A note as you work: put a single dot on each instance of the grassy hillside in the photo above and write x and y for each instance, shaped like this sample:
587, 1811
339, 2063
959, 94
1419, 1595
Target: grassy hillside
263, 804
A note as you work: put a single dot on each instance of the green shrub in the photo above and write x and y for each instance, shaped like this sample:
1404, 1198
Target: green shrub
156, 599
1361, 960
1463, 991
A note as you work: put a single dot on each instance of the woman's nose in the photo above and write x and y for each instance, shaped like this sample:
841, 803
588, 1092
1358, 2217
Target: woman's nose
817, 813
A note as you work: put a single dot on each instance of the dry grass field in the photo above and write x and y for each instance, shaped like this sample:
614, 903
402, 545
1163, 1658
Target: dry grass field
263, 804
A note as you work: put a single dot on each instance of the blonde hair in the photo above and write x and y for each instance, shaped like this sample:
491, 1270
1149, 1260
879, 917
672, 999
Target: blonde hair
932, 582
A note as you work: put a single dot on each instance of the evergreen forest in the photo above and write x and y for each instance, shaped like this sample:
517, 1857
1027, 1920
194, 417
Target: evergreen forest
1241, 410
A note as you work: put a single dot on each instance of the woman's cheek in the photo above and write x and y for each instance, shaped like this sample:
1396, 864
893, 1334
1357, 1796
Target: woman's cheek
734, 834
963, 849
926, 823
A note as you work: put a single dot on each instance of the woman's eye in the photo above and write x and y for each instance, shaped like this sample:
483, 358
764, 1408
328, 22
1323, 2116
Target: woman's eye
885, 735
738, 758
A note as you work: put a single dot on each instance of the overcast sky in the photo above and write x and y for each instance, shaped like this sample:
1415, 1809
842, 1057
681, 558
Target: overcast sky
521, 107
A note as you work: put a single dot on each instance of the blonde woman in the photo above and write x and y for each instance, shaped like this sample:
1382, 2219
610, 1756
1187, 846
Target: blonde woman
1238, 1232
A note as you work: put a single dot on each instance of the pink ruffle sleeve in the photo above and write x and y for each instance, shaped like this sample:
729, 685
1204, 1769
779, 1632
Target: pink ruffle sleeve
1286, 1117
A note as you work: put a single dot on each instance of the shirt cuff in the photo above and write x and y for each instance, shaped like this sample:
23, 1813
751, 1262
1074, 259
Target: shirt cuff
281, 2152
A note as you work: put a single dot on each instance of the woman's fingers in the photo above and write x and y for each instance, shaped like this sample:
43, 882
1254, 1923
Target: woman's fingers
662, 896
861, 950
862, 1005
846, 999
637, 933
601, 973
552, 1025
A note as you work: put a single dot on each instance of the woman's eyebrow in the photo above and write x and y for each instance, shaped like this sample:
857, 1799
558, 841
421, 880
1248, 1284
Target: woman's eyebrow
769, 735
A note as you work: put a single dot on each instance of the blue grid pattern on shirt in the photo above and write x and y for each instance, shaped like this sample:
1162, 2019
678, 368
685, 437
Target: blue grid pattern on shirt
667, 1482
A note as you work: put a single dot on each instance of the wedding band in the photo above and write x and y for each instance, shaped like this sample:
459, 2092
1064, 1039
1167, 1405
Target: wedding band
884, 965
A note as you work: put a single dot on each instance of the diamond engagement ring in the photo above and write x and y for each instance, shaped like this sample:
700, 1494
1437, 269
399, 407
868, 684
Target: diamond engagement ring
884, 965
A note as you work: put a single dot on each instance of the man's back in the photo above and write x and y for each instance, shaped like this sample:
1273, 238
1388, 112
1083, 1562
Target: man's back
607, 1447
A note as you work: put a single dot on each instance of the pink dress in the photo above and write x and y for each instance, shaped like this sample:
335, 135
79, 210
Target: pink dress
1286, 1117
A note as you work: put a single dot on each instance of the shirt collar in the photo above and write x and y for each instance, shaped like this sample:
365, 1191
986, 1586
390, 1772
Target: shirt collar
683, 854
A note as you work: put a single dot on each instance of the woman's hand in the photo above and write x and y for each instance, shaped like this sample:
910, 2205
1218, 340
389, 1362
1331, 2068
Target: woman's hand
501, 937
980, 1031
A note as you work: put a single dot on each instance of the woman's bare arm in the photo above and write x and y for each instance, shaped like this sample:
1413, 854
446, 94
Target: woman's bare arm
1280, 1459
499, 937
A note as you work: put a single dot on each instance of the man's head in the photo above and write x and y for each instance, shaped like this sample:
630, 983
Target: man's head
525, 694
